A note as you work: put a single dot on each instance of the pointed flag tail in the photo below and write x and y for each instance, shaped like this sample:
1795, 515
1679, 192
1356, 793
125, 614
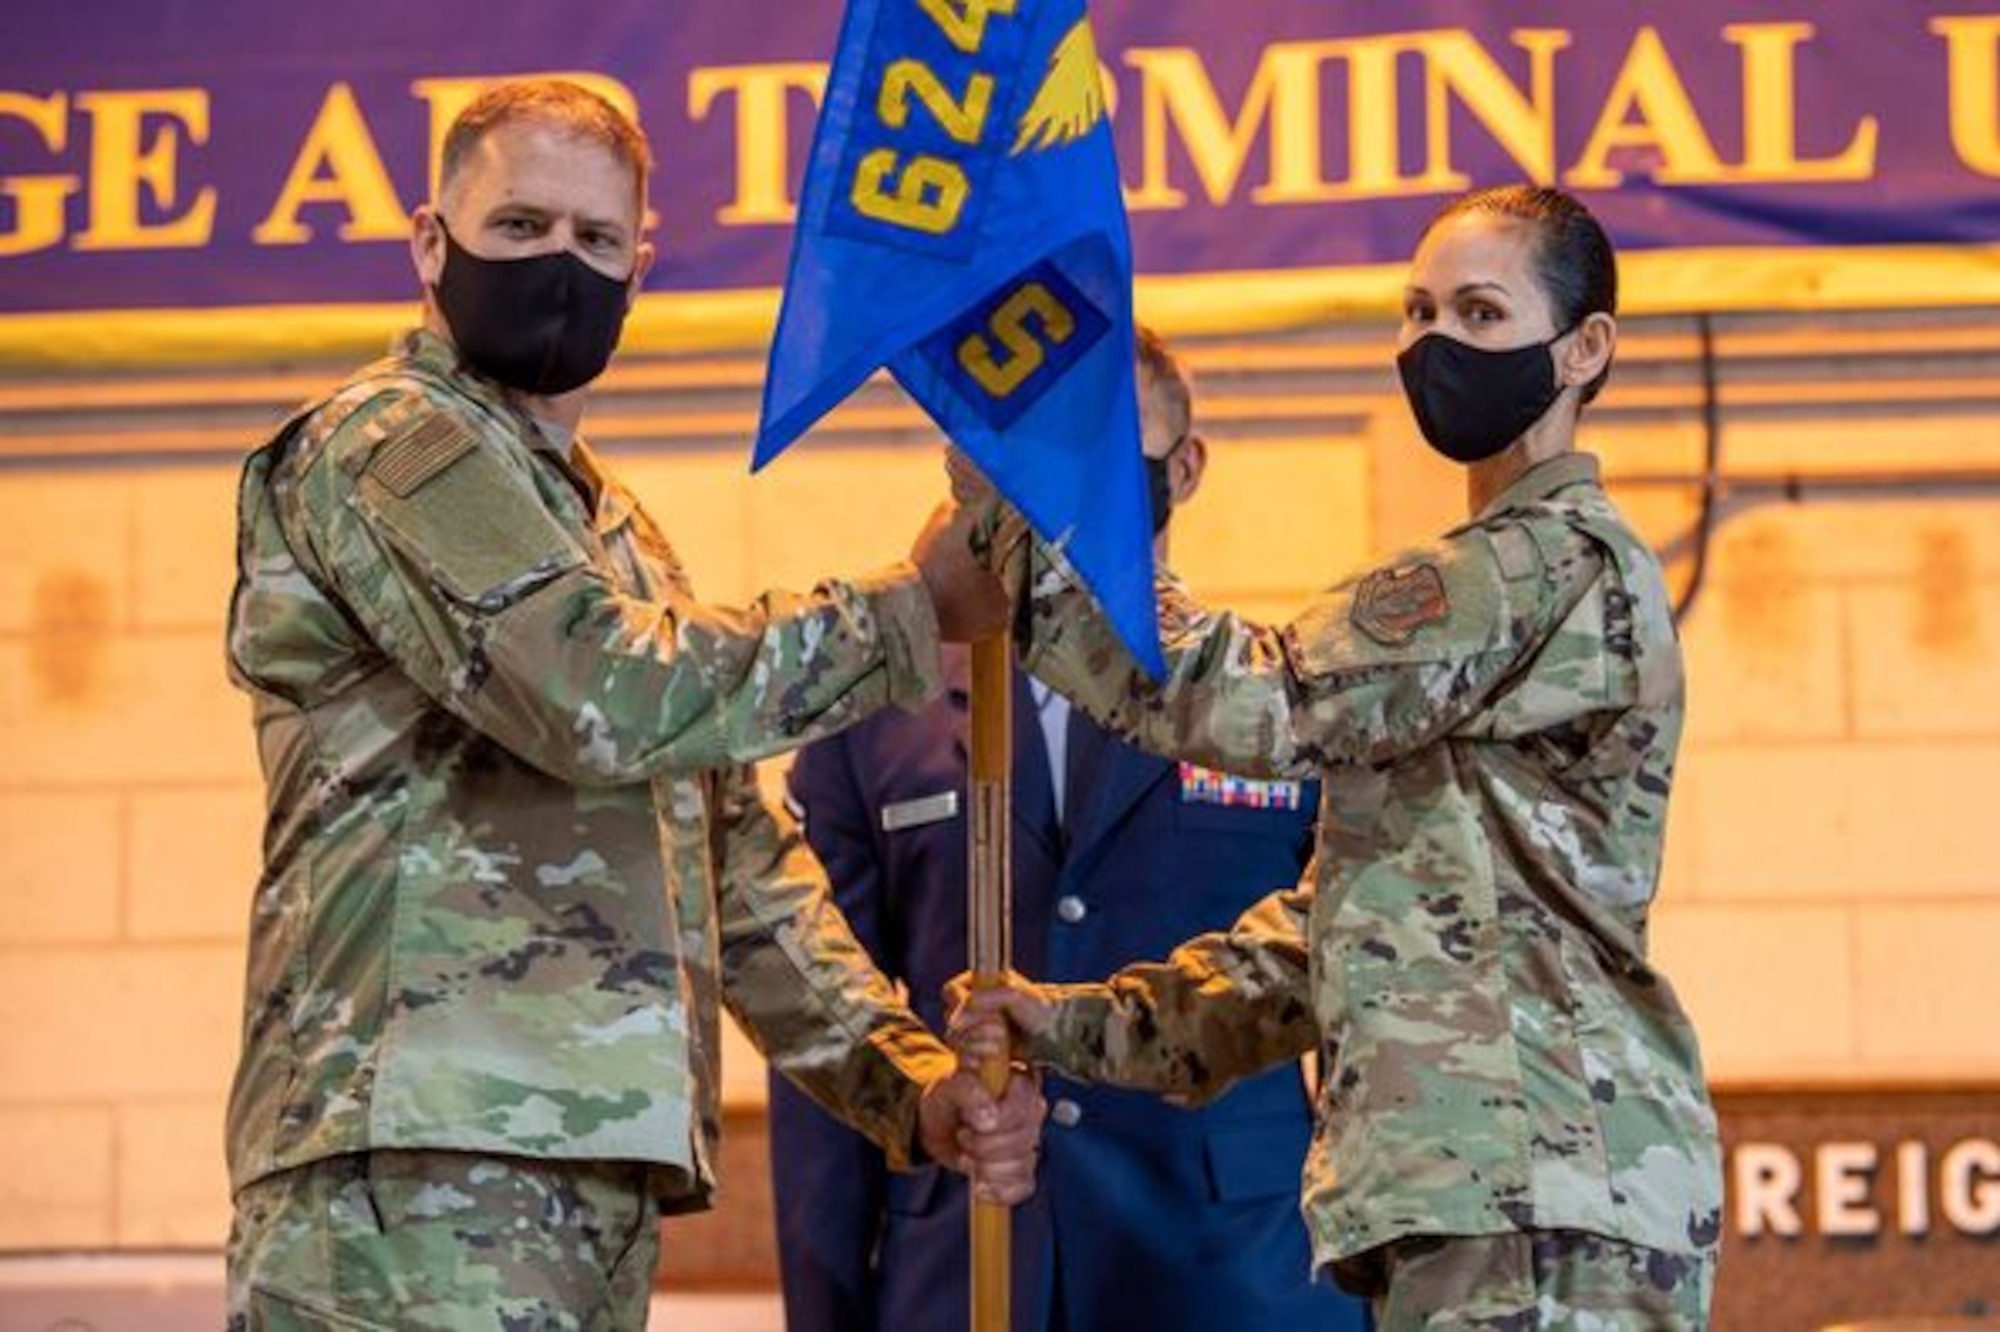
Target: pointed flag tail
962, 224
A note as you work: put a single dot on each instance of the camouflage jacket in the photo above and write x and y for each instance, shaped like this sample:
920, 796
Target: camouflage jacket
513, 856
1497, 716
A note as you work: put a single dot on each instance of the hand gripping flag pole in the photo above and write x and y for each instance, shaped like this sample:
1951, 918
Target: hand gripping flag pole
962, 224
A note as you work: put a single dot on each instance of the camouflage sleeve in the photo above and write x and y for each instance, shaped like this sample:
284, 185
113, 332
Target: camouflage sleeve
453, 562
804, 989
1223, 1006
1375, 668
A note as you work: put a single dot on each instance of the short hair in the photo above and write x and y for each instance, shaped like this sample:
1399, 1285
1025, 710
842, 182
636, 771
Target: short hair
558, 103
1176, 394
1574, 260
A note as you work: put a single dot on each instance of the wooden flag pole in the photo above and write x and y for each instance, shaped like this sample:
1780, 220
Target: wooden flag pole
990, 912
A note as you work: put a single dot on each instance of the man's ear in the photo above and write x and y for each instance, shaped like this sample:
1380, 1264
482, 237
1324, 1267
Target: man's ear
427, 245
1186, 468
642, 264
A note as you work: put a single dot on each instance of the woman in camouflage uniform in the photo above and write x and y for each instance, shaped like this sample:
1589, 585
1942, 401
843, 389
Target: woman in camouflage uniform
1513, 1129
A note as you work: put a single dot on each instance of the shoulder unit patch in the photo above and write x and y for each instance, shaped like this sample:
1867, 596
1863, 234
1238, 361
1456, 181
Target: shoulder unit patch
1391, 605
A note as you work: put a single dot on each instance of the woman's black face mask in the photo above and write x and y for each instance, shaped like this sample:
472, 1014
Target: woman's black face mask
544, 325
1471, 403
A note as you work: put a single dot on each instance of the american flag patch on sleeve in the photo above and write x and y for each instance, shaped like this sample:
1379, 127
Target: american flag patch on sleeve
1206, 786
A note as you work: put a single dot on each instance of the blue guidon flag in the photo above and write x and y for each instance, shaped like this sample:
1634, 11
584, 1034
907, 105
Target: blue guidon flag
962, 224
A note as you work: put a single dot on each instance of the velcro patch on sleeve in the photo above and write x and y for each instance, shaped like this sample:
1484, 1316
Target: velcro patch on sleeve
421, 451
468, 519
1517, 553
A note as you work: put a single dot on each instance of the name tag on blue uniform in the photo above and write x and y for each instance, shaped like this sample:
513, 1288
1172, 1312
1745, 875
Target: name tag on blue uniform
1206, 786
916, 813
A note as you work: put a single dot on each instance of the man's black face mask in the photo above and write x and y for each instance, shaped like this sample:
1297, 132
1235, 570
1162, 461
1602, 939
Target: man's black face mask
1160, 485
544, 325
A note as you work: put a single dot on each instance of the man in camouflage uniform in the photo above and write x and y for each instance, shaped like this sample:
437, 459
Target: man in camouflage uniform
1513, 1131
515, 857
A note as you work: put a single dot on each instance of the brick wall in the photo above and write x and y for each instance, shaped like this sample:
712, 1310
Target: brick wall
1832, 906
1833, 901
128, 840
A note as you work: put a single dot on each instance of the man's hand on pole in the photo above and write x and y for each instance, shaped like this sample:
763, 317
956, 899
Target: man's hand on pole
996, 1142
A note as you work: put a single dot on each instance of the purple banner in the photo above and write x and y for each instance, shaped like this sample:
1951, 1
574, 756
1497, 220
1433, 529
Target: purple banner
221, 153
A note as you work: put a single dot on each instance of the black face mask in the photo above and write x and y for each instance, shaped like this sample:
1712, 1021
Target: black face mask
1160, 486
1472, 403
545, 325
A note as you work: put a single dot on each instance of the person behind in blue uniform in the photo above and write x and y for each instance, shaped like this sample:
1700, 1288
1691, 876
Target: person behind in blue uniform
1147, 1216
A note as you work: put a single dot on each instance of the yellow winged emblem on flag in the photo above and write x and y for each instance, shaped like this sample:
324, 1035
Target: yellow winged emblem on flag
1070, 101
